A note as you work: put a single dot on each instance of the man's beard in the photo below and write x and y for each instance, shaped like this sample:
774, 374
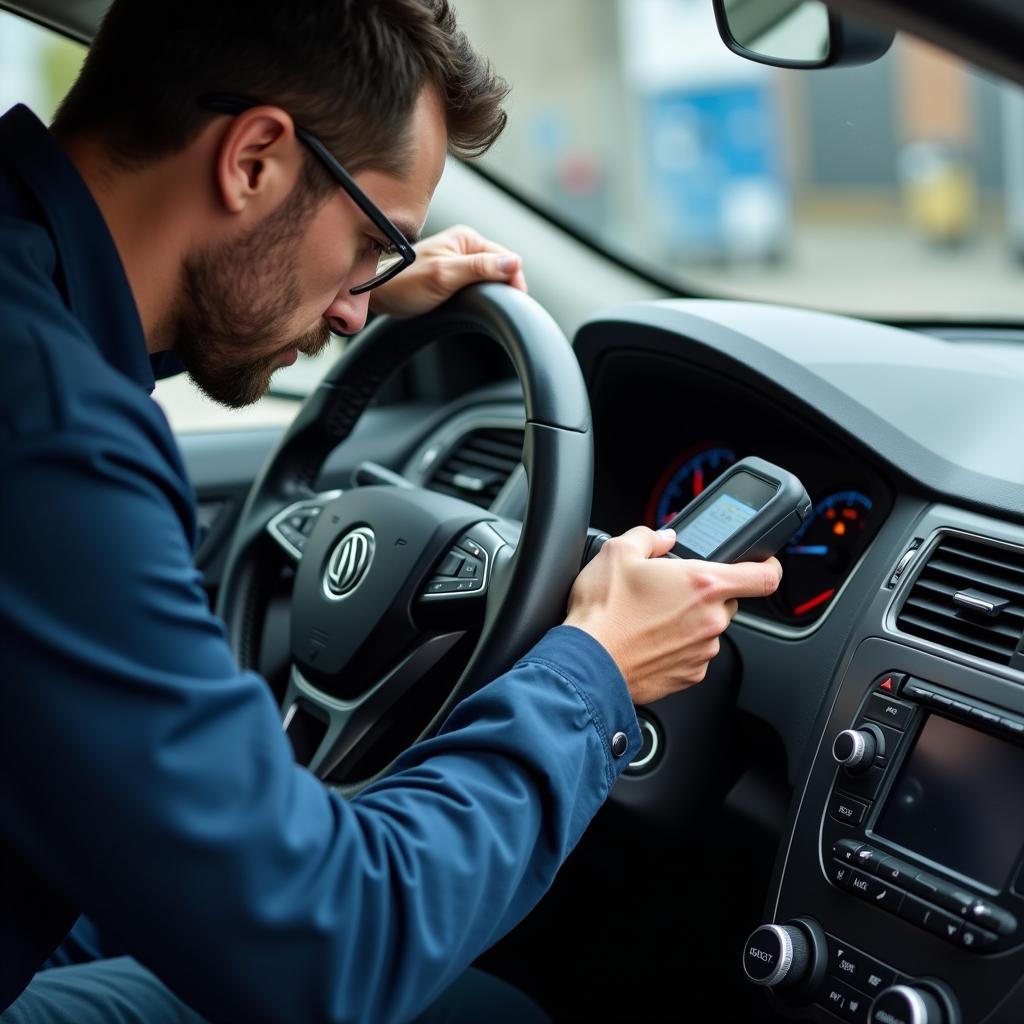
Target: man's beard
237, 299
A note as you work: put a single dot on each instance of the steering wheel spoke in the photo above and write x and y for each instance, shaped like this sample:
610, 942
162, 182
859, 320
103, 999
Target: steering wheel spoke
348, 724
291, 527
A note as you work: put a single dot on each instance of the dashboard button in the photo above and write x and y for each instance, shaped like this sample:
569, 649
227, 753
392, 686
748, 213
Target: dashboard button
842, 808
983, 716
946, 926
955, 900
916, 911
891, 870
987, 915
923, 884
864, 786
1008, 725
889, 712
866, 858
978, 939
889, 898
874, 977
913, 688
845, 849
863, 885
839, 874
889, 683
844, 962
833, 996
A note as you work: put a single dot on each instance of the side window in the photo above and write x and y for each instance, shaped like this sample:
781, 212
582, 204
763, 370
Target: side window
37, 66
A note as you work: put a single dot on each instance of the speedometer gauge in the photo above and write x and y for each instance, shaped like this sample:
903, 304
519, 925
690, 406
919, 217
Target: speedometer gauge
821, 554
685, 478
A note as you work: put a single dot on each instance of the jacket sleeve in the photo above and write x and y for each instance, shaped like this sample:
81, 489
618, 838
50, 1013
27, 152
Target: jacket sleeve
149, 780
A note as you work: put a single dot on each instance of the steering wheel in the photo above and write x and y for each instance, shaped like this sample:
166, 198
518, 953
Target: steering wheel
390, 578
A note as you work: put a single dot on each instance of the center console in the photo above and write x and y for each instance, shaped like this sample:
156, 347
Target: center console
900, 892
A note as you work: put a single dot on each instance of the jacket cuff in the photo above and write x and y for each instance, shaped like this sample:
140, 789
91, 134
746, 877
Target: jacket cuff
584, 663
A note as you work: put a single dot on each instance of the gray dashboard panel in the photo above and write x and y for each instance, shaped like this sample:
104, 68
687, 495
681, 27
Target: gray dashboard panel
943, 414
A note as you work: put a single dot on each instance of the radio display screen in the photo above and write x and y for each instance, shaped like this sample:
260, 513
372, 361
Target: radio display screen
959, 801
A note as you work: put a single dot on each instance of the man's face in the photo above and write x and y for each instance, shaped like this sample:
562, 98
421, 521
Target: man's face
249, 305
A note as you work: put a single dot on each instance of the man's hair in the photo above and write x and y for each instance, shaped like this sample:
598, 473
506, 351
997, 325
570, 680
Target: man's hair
350, 71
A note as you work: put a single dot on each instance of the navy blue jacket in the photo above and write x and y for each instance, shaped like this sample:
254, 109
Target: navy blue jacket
144, 780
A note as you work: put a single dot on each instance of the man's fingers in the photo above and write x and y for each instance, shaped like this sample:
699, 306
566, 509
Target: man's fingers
749, 579
482, 266
646, 543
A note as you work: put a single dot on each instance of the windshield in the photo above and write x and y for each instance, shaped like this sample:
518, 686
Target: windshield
893, 190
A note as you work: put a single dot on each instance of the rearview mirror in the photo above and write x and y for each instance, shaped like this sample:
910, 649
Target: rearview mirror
797, 34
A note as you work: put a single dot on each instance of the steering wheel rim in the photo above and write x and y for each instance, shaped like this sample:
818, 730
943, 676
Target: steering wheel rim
557, 456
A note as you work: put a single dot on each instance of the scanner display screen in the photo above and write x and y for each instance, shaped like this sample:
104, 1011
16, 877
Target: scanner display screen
740, 499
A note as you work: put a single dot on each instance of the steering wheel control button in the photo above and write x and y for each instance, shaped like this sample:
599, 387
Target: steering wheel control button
620, 744
777, 956
470, 569
451, 565
442, 586
472, 547
846, 810
888, 712
903, 1004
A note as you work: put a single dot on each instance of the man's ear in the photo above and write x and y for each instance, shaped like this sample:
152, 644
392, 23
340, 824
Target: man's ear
258, 159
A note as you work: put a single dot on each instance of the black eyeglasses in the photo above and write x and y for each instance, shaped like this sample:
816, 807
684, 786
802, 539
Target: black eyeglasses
393, 258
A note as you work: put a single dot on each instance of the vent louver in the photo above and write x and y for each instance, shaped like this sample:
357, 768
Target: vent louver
982, 574
478, 466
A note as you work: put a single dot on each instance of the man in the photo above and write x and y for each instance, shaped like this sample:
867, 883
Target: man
181, 209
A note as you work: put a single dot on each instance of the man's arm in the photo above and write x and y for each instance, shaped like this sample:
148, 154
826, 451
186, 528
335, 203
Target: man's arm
150, 781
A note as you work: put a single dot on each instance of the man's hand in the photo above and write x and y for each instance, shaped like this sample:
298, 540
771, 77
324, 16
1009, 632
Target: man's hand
446, 262
660, 618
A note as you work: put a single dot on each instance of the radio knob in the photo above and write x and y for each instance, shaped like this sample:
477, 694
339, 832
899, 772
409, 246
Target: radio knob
855, 749
906, 1004
777, 955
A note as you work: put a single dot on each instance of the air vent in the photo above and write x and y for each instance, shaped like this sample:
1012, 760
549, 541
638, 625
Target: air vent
969, 597
478, 466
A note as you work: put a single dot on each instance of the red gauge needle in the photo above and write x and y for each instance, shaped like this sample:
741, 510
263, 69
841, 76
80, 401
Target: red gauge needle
698, 481
803, 609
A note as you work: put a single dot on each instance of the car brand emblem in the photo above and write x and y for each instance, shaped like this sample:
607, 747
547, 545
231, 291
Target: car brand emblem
349, 563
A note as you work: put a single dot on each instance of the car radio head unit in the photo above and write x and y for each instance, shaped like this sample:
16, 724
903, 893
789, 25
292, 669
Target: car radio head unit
951, 802
926, 814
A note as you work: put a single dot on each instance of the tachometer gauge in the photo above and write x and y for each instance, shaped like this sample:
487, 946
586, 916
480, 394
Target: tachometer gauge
685, 478
820, 556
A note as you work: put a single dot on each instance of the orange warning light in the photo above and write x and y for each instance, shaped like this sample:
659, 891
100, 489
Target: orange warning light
839, 529
830, 514
850, 513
